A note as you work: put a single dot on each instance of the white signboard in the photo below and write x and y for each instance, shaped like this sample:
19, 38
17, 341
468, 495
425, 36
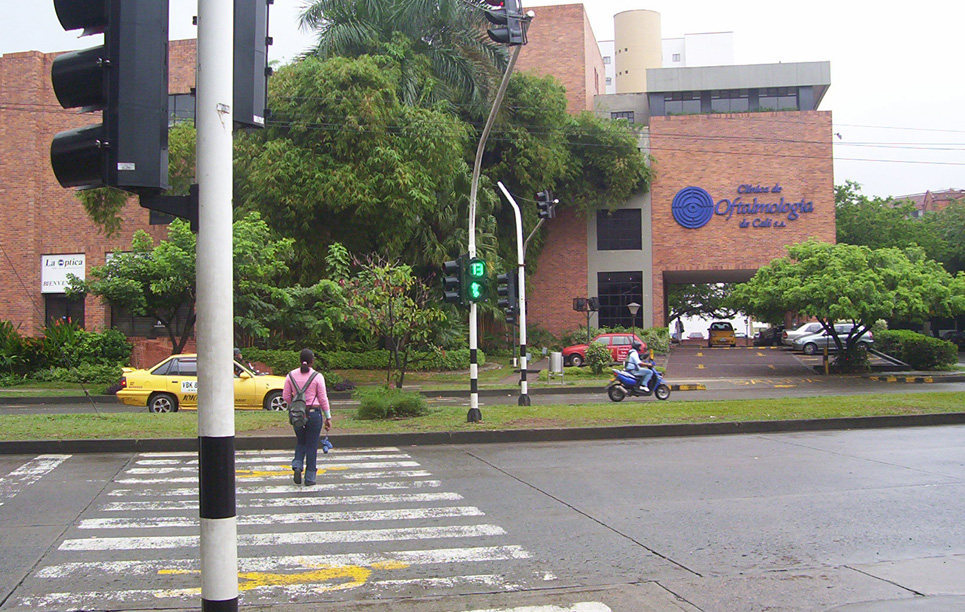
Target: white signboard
189, 386
55, 268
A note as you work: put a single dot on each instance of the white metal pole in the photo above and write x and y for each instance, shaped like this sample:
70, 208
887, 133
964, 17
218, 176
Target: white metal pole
521, 286
215, 328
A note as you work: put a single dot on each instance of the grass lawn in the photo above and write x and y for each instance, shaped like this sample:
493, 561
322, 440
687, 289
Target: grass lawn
453, 418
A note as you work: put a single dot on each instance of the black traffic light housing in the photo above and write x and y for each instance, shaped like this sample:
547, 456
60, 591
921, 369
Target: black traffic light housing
126, 78
507, 16
546, 204
508, 297
251, 69
452, 280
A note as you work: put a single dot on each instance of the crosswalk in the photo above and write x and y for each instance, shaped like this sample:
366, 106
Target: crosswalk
376, 525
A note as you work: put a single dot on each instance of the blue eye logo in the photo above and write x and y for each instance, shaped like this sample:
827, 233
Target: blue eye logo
692, 207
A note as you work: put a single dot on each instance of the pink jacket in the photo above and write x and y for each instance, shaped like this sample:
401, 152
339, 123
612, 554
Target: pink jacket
315, 395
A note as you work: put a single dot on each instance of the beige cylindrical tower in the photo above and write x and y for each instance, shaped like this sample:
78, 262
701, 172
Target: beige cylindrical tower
637, 47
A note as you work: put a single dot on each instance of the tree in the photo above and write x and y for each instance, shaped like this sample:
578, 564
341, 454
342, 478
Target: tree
949, 226
344, 161
881, 223
158, 282
386, 302
441, 46
845, 282
700, 300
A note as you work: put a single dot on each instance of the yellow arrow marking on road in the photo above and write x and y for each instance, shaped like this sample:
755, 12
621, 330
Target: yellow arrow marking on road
351, 576
279, 472
700, 366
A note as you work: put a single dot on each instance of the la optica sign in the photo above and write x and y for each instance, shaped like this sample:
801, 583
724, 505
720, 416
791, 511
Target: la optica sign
755, 207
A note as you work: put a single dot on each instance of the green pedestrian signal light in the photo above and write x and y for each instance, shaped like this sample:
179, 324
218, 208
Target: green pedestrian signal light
476, 284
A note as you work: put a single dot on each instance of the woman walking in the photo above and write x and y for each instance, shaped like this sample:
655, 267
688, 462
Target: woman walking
311, 384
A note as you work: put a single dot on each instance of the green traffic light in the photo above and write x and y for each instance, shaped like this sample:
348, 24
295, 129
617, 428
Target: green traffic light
475, 290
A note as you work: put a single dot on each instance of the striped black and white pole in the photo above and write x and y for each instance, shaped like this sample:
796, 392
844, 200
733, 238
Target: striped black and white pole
215, 327
520, 293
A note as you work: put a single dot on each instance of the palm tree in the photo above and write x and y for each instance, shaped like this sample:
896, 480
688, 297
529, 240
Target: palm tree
441, 45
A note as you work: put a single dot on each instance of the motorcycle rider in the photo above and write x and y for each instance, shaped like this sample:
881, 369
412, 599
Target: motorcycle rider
638, 366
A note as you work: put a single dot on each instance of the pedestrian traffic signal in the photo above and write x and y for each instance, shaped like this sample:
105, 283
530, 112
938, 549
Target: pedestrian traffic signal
127, 79
508, 17
546, 204
452, 281
506, 290
475, 285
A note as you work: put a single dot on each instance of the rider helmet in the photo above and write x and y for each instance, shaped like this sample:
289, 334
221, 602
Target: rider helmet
637, 346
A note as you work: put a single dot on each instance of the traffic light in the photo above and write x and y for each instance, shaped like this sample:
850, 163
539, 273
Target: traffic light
474, 284
127, 79
506, 290
251, 69
508, 17
546, 204
452, 280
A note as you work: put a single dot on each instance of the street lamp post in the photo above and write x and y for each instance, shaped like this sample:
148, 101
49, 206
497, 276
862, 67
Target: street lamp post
634, 309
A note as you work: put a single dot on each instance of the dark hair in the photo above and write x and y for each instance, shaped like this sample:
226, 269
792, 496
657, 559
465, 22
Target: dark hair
307, 357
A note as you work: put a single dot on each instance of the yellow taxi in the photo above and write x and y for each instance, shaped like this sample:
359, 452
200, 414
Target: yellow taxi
721, 333
173, 384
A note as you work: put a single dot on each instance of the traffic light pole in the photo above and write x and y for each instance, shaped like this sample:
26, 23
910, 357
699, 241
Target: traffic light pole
475, 414
521, 288
215, 328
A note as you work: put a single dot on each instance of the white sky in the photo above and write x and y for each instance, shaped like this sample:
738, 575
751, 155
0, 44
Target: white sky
897, 92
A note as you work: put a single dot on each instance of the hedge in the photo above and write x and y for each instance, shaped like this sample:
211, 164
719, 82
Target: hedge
919, 351
286, 361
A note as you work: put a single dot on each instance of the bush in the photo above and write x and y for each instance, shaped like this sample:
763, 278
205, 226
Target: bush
84, 373
919, 351
598, 357
109, 347
282, 362
386, 403
657, 339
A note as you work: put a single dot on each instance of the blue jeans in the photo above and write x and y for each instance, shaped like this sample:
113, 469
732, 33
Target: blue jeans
306, 447
643, 377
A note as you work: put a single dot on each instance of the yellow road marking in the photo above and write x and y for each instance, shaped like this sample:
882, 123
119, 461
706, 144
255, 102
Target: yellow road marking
279, 472
700, 366
352, 576
784, 386
699, 354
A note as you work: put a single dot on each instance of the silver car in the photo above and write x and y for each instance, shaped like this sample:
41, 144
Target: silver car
813, 344
788, 336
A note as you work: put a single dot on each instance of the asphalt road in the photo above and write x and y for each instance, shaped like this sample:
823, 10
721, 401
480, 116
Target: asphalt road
776, 522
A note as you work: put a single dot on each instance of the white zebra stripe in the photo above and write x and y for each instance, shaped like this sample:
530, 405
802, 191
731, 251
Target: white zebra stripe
276, 539
286, 459
28, 473
285, 489
250, 453
289, 563
404, 514
332, 466
281, 503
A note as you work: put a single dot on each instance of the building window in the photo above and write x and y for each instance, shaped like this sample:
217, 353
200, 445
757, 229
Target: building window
181, 108
606, 60
682, 103
619, 230
676, 57
778, 98
730, 101
59, 307
609, 81
616, 290
628, 115
144, 327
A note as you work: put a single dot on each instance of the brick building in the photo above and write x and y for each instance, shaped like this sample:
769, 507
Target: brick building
45, 233
742, 161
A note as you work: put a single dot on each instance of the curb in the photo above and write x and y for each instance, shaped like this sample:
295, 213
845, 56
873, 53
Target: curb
495, 436
918, 379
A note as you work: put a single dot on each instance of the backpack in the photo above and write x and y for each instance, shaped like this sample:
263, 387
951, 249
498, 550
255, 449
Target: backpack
298, 409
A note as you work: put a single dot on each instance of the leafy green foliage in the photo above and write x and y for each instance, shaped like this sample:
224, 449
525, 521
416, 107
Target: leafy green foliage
919, 351
598, 357
86, 373
657, 339
852, 283
702, 300
387, 403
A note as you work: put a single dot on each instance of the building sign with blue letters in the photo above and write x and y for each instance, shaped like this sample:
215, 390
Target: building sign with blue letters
756, 206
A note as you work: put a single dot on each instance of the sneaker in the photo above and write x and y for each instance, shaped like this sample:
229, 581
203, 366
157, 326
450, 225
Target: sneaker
309, 483
298, 477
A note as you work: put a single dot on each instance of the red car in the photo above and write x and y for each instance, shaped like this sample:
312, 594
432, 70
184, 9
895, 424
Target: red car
619, 345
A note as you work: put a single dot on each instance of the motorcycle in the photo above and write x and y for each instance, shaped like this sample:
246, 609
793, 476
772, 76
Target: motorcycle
623, 384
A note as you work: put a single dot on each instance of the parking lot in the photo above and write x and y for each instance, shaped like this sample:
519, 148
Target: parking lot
689, 362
